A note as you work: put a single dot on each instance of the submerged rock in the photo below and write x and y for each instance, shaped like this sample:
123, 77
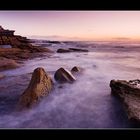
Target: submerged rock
78, 50
63, 75
2, 76
75, 69
71, 50
129, 92
6, 63
63, 51
40, 85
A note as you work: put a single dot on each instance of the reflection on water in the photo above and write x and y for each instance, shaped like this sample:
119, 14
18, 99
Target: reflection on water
87, 103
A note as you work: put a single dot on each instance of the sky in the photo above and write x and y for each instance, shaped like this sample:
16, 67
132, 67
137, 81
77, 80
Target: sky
74, 25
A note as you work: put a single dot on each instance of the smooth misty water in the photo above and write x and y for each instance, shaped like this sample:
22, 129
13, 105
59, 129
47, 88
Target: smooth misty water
87, 103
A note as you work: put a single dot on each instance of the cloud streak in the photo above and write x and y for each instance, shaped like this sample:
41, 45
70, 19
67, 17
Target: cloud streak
122, 38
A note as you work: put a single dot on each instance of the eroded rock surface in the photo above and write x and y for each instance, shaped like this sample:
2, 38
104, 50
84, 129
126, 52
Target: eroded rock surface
40, 85
129, 93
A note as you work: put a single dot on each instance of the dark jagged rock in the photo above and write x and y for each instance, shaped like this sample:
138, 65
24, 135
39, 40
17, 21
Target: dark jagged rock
63, 75
63, 51
129, 93
54, 42
78, 50
40, 85
71, 50
7, 37
75, 69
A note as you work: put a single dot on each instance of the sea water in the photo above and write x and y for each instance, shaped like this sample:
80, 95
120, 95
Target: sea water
87, 103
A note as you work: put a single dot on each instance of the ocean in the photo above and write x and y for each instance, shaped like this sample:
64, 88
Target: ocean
86, 103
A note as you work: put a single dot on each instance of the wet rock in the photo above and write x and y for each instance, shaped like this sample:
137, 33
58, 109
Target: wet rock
7, 64
129, 93
94, 66
75, 69
63, 75
40, 85
31, 48
119, 47
2, 76
54, 42
71, 50
23, 53
60, 86
63, 51
18, 47
78, 50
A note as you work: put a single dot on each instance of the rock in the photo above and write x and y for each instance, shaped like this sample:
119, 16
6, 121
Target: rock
71, 50
2, 76
94, 66
129, 93
7, 64
63, 51
7, 37
60, 86
23, 53
78, 50
48, 41
15, 48
75, 69
119, 47
40, 85
30, 48
63, 75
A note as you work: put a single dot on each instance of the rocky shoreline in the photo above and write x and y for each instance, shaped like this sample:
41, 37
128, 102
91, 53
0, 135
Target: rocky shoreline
41, 83
12, 57
20, 50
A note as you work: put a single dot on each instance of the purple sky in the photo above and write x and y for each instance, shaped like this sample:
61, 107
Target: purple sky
74, 25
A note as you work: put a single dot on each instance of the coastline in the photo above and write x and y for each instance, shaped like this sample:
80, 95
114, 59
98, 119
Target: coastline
86, 100
13, 57
15, 48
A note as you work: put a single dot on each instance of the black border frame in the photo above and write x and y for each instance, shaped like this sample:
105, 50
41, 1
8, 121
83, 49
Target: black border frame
69, 5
